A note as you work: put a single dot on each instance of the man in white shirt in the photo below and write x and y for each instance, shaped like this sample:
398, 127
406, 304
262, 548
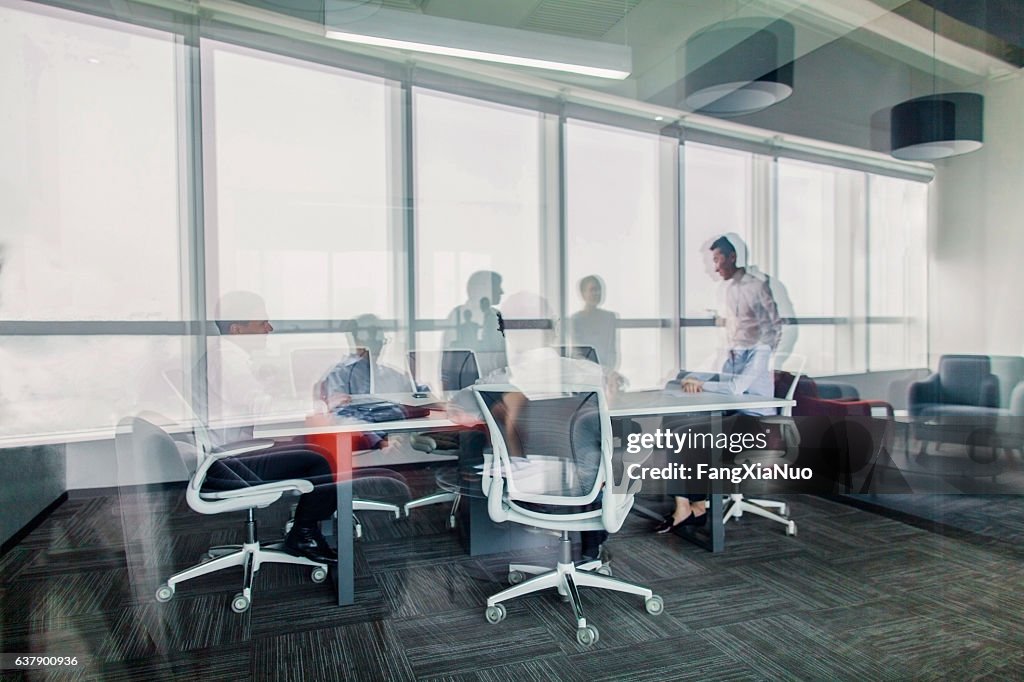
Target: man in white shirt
753, 330
237, 395
751, 314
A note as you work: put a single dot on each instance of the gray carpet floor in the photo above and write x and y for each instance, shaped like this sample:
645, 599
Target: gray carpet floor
854, 595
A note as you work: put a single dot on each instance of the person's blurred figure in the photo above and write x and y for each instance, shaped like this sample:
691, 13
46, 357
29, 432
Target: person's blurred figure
596, 327
753, 330
477, 325
750, 312
235, 391
362, 372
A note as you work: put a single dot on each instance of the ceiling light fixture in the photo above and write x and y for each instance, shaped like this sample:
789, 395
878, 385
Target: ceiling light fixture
469, 40
938, 125
754, 73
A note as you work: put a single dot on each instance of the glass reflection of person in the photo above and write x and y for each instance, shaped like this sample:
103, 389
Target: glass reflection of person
596, 327
753, 330
477, 324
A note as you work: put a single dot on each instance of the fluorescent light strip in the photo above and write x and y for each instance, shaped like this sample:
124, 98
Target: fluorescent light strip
475, 54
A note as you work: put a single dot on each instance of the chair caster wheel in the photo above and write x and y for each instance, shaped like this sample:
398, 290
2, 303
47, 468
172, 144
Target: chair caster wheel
319, 575
164, 593
495, 614
654, 605
515, 577
587, 636
240, 603
791, 529
451, 523
604, 569
784, 511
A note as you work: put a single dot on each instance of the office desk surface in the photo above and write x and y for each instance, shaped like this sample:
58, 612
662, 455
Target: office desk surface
658, 402
637, 404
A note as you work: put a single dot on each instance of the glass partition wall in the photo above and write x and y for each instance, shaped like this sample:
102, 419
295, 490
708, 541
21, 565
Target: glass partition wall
150, 171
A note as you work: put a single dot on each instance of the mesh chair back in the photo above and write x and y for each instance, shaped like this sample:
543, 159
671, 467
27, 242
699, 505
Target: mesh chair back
551, 446
455, 368
588, 353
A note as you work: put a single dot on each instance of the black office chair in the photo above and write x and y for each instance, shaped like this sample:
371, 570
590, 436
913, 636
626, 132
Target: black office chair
456, 369
588, 353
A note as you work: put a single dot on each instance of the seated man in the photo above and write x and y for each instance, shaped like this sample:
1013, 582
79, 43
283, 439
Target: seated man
534, 363
236, 394
362, 373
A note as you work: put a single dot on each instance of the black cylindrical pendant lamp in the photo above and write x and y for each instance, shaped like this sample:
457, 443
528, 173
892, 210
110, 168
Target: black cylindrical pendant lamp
937, 126
752, 73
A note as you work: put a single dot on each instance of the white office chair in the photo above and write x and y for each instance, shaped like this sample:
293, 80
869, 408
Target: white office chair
139, 439
787, 454
553, 457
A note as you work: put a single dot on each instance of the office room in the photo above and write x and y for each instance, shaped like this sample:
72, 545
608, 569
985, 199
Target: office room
511, 339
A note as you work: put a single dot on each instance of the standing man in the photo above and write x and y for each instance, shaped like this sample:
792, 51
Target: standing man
477, 325
753, 330
751, 314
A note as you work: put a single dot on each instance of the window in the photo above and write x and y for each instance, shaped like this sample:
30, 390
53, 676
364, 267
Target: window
718, 198
91, 229
302, 173
820, 255
620, 207
897, 275
481, 202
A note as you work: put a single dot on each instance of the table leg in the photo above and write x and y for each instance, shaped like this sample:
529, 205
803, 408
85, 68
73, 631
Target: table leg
717, 525
712, 539
343, 528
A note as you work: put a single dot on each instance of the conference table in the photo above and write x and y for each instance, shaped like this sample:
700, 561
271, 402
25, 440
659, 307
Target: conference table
655, 403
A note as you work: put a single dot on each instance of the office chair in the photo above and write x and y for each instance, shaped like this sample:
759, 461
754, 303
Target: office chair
785, 452
175, 379
458, 369
588, 353
959, 400
553, 468
138, 440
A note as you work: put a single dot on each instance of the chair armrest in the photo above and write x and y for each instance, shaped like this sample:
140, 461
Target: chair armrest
291, 485
988, 392
1017, 401
922, 393
241, 448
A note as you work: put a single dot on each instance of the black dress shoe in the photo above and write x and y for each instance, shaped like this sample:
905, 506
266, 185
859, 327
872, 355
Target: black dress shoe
666, 525
310, 543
